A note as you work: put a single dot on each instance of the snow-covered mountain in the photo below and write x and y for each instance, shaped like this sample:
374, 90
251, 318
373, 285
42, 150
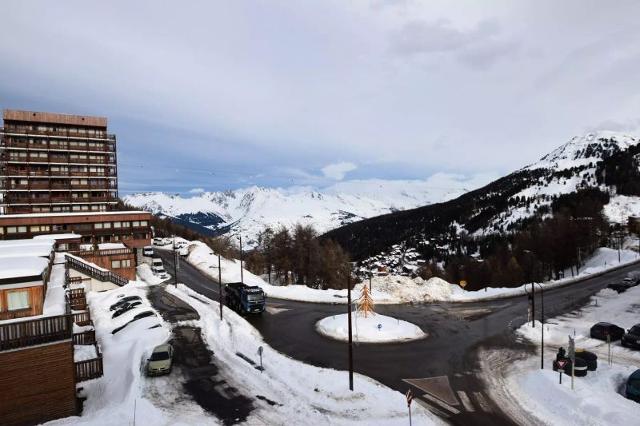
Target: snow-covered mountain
251, 209
605, 161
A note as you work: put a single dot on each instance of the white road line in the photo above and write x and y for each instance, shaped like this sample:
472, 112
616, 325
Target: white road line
431, 408
441, 403
482, 402
466, 401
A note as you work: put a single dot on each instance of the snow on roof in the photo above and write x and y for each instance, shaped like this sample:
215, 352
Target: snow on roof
25, 266
56, 237
26, 248
111, 246
18, 216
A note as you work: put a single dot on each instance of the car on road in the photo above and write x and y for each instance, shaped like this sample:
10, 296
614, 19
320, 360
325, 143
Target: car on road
161, 360
621, 286
632, 389
601, 330
589, 357
147, 251
631, 339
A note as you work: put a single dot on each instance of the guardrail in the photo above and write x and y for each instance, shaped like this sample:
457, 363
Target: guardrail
85, 338
89, 369
99, 274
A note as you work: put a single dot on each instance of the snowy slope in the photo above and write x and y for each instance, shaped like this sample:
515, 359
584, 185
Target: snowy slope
251, 209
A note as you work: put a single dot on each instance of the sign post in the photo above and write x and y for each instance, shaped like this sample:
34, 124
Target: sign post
561, 365
260, 353
409, 396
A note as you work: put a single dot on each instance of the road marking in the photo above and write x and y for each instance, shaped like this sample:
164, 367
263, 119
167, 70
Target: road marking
437, 386
431, 408
466, 401
442, 404
272, 310
482, 402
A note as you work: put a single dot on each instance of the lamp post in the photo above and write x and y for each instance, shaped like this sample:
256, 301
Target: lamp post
350, 331
542, 325
175, 263
241, 272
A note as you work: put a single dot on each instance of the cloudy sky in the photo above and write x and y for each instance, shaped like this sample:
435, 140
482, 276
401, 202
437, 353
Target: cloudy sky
217, 95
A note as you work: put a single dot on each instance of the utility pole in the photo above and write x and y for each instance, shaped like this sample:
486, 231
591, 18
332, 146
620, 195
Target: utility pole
350, 331
542, 322
175, 263
241, 267
221, 301
533, 305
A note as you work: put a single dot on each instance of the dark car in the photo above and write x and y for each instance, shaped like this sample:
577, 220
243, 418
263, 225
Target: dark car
580, 369
632, 389
601, 330
621, 286
631, 339
589, 357
126, 307
123, 301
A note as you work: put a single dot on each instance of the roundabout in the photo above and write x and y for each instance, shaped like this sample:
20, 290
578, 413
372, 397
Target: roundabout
374, 328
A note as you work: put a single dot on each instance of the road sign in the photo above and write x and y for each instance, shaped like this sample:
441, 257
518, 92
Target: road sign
409, 396
463, 283
379, 327
562, 363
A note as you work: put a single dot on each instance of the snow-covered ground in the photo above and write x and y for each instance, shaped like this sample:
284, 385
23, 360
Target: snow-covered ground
145, 273
374, 328
304, 394
598, 398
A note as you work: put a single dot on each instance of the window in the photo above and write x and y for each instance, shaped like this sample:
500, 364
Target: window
17, 300
126, 263
144, 223
135, 223
115, 264
117, 224
39, 228
98, 226
107, 225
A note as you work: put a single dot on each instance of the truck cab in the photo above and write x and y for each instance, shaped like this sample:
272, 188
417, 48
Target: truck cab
245, 299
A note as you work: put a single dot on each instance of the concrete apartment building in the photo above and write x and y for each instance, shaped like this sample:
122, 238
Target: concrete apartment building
53, 163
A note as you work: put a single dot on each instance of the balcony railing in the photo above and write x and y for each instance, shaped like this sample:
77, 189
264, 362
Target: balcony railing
60, 133
99, 274
35, 332
89, 369
12, 171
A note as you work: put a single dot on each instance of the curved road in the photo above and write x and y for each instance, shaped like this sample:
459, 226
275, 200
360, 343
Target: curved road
446, 359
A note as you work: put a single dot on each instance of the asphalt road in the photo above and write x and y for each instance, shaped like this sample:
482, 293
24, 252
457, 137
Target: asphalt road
456, 331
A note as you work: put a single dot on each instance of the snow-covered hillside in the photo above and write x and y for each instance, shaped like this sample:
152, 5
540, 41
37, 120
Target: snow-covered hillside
251, 209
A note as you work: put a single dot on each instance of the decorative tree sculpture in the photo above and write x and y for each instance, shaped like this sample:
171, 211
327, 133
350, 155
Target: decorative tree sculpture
365, 302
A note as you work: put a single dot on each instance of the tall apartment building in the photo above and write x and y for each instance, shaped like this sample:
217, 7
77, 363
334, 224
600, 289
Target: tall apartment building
54, 163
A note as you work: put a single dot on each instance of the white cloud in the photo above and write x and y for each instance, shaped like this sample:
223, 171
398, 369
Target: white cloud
196, 191
337, 171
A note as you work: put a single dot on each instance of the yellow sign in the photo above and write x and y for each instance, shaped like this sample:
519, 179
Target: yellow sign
463, 283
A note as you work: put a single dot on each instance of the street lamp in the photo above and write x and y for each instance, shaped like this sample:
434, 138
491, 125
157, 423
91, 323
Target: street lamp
533, 316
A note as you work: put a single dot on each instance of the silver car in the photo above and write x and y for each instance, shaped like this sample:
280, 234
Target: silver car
161, 360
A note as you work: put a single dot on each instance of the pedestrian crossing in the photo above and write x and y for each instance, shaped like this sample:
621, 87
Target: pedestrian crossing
445, 402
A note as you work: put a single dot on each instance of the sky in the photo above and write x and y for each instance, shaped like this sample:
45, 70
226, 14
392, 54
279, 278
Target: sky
213, 95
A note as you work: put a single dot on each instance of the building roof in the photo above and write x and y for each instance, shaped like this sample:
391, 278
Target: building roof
22, 248
114, 213
24, 266
54, 118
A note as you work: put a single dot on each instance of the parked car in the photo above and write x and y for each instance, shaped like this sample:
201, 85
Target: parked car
589, 357
123, 301
126, 307
631, 339
161, 360
601, 330
621, 286
632, 389
147, 251
580, 369
184, 250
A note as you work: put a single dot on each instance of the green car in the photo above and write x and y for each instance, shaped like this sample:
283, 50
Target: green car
161, 360
632, 390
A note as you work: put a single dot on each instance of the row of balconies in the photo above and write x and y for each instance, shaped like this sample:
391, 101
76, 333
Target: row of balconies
64, 159
53, 198
14, 171
55, 145
65, 133
104, 184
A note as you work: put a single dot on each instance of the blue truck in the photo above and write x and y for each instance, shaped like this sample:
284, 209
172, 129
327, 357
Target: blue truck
245, 299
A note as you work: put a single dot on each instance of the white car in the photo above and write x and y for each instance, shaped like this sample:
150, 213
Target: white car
161, 360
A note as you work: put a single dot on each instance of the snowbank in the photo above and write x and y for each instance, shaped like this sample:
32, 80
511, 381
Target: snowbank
375, 328
392, 289
303, 394
146, 274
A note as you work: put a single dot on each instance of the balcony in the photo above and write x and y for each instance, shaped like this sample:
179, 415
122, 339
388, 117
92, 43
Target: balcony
60, 134
21, 172
35, 332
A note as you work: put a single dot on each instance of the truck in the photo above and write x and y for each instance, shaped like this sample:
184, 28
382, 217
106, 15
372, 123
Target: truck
245, 299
